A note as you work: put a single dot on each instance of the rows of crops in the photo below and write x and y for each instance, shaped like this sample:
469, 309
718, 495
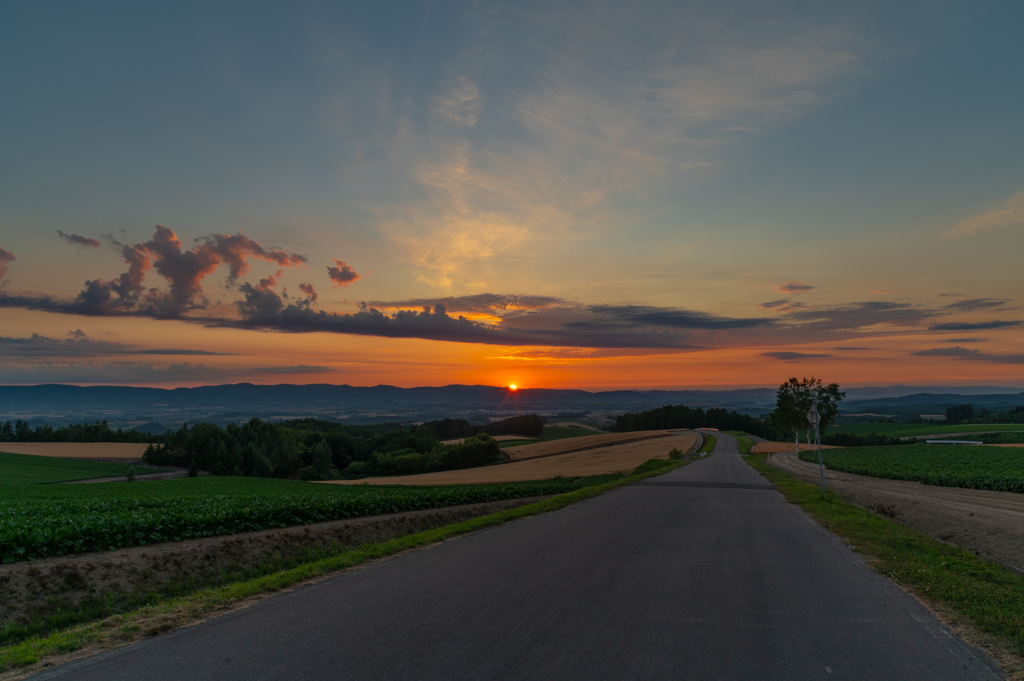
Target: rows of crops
36, 522
993, 468
912, 429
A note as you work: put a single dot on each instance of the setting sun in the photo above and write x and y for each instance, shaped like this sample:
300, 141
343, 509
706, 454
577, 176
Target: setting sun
513, 387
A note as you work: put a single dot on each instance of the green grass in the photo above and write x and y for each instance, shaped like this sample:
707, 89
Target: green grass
991, 597
993, 468
53, 520
745, 444
28, 469
911, 429
204, 602
710, 442
551, 433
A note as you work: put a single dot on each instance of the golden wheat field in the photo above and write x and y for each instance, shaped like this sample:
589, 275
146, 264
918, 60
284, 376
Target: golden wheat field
575, 444
619, 457
77, 450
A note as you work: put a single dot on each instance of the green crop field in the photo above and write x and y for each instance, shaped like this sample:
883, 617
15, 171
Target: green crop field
911, 429
53, 520
551, 433
994, 438
26, 469
993, 468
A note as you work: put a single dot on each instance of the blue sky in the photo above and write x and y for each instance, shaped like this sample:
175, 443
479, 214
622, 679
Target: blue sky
677, 156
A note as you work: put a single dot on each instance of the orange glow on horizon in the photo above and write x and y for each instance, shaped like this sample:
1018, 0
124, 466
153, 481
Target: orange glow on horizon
513, 387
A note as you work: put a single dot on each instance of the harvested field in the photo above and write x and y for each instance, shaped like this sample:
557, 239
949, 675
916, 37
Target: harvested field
988, 523
499, 438
601, 457
576, 444
49, 583
773, 447
77, 450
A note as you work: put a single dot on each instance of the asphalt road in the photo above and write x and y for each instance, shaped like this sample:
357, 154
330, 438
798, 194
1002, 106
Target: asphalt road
702, 573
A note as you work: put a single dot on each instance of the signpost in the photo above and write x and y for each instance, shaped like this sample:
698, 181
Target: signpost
815, 418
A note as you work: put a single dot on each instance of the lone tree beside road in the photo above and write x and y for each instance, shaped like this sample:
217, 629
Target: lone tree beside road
795, 398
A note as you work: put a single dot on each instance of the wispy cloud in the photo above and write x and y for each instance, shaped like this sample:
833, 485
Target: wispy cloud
1011, 212
122, 373
78, 240
793, 287
970, 354
973, 304
974, 326
80, 345
792, 356
560, 154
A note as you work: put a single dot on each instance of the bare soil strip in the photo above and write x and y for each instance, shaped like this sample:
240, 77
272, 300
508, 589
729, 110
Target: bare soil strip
39, 586
77, 450
601, 458
990, 524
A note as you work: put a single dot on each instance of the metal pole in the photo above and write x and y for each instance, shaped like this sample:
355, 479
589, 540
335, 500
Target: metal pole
821, 466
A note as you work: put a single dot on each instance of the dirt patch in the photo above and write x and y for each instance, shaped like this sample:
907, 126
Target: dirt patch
990, 524
600, 458
40, 586
78, 450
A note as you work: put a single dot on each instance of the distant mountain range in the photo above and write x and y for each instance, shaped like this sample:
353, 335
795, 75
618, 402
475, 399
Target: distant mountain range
154, 409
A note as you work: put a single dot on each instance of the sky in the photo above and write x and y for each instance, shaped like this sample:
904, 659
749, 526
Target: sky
593, 195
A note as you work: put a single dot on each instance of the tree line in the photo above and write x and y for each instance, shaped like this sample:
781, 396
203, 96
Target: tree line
20, 431
681, 416
965, 413
321, 450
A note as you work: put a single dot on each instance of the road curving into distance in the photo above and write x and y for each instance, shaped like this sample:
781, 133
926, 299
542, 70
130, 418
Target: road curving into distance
702, 573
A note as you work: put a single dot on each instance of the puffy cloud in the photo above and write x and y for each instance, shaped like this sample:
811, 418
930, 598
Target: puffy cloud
78, 240
1011, 212
793, 287
310, 292
184, 271
341, 274
790, 356
6, 258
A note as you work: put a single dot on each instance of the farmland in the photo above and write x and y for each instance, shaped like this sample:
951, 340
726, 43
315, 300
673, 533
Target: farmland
594, 455
22, 469
54, 520
912, 429
551, 433
974, 467
77, 450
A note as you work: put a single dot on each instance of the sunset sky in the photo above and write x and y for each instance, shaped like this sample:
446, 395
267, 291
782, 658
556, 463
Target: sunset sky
553, 194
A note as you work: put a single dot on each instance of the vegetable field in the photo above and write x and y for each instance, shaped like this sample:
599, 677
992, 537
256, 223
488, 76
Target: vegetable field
974, 467
911, 429
39, 521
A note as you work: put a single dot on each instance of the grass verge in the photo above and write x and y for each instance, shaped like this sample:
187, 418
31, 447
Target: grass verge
964, 586
745, 444
709, 444
174, 613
